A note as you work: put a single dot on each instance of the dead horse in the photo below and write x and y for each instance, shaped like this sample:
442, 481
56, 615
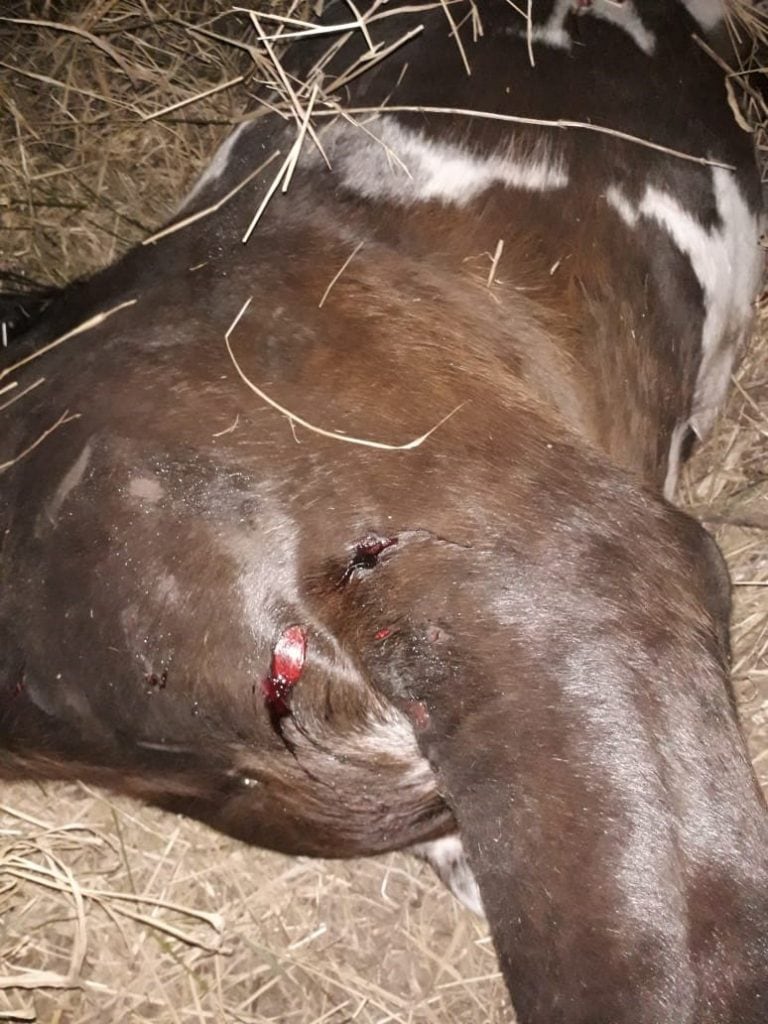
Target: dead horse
357, 537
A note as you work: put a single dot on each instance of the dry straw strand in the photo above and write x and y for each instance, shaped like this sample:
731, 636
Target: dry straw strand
313, 428
65, 417
86, 325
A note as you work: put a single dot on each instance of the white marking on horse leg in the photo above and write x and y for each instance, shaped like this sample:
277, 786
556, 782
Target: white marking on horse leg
447, 858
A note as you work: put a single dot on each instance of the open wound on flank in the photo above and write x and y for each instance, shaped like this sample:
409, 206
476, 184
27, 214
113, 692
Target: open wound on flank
366, 555
288, 657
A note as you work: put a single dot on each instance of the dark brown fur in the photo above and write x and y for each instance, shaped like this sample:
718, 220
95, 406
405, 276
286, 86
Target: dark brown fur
546, 630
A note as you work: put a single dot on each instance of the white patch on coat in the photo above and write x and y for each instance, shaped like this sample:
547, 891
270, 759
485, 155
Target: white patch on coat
727, 263
146, 488
167, 590
447, 858
69, 482
405, 166
674, 458
624, 16
552, 32
217, 166
623, 206
732, 269
708, 13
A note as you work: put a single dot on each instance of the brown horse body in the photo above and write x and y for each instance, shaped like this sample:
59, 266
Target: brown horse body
335, 648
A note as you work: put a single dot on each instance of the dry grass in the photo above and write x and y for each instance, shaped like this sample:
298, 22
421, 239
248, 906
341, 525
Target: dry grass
83, 174
726, 485
113, 912
299, 940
